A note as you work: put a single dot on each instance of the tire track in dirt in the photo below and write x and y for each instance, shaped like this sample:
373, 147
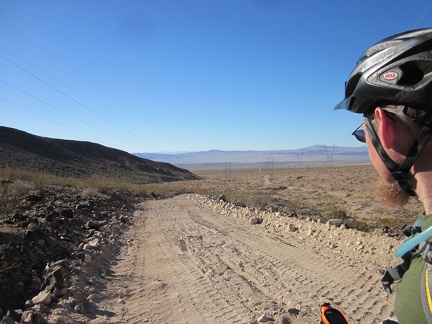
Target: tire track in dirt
307, 273
197, 298
185, 263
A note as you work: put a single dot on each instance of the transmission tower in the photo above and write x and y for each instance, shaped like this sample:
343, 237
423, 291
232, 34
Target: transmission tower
329, 153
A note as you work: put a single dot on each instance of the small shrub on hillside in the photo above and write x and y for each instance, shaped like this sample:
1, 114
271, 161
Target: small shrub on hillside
11, 193
6, 262
90, 192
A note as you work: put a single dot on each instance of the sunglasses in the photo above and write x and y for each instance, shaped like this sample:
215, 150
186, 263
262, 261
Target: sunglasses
360, 134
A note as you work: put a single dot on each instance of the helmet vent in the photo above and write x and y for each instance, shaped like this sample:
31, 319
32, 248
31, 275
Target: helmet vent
411, 74
352, 84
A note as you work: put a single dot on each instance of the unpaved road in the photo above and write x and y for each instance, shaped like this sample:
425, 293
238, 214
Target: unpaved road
186, 263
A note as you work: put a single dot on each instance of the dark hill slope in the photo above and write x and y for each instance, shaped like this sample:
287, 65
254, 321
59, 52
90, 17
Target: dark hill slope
81, 159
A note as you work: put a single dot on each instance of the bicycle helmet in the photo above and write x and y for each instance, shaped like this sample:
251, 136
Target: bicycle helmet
395, 71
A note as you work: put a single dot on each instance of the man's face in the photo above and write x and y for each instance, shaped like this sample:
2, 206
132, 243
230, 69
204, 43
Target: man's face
387, 187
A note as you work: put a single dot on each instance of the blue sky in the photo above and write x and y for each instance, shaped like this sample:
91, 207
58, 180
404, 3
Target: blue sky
189, 75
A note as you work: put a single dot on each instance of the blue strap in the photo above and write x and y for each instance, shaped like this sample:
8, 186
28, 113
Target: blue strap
410, 243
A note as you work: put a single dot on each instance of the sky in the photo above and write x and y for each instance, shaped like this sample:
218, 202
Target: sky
190, 75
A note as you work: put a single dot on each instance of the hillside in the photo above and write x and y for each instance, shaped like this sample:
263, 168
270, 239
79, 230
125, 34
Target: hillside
81, 159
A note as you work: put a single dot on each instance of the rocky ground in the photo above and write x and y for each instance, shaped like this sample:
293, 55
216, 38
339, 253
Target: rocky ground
74, 255
200, 259
47, 239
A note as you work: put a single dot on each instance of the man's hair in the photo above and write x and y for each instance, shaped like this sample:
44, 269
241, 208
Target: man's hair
413, 126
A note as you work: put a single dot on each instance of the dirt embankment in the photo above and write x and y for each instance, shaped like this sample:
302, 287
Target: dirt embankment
192, 260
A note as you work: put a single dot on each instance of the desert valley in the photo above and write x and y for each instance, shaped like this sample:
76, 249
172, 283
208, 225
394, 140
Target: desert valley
100, 236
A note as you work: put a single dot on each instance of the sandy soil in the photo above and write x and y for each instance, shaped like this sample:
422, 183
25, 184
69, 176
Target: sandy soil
189, 260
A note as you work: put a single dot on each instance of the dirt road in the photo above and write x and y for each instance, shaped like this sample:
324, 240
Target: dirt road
186, 263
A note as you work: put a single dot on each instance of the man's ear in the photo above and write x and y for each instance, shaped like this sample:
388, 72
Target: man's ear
387, 130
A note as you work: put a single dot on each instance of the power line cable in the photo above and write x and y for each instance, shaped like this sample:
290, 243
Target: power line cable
49, 119
75, 100
78, 74
28, 110
58, 109
325, 75
68, 86
332, 62
422, 16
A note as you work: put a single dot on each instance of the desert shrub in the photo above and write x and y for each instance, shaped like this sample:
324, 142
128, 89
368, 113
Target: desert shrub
337, 212
358, 224
37, 179
393, 222
5, 261
19, 188
91, 191
245, 198
11, 193
18, 182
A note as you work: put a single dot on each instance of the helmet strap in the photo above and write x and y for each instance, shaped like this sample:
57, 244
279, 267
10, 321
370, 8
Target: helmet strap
400, 172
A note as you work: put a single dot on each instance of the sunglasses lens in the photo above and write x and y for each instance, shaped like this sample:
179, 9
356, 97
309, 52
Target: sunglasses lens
360, 135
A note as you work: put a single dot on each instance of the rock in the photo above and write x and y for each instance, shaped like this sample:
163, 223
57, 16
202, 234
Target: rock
28, 304
294, 311
292, 228
93, 225
334, 222
41, 308
35, 197
53, 278
32, 228
58, 293
222, 198
8, 320
13, 316
256, 220
93, 243
51, 215
265, 319
68, 213
87, 258
44, 297
104, 228
79, 309
28, 316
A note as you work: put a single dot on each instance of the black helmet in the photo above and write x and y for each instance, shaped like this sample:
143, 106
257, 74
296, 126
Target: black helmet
396, 70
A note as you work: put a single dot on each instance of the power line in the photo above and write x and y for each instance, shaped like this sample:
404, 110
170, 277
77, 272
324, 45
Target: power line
325, 74
49, 119
28, 110
58, 109
68, 86
75, 100
424, 14
85, 79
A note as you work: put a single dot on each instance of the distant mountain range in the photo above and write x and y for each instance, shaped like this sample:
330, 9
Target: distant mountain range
317, 154
84, 159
